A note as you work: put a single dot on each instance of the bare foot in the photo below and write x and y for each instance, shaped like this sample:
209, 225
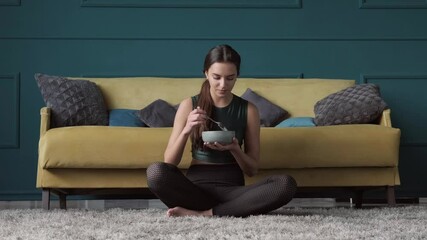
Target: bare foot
179, 211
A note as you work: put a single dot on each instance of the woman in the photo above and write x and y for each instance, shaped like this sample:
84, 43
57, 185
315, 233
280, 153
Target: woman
214, 183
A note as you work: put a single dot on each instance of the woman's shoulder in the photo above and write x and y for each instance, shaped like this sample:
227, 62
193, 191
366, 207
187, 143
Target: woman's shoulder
251, 108
239, 99
187, 103
244, 102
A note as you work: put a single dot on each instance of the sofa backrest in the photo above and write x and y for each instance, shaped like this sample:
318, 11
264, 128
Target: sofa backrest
297, 96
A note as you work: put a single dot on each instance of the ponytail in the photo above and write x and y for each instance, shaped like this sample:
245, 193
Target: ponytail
205, 102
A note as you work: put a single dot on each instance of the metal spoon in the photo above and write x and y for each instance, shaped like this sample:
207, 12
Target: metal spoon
220, 125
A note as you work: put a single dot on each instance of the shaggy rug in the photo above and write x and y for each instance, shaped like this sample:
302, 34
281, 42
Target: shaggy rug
407, 222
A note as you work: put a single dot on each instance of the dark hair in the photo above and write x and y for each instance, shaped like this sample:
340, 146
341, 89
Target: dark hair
219, 54
222, 54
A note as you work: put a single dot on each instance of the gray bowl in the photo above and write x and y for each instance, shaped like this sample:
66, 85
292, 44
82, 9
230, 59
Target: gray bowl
222, 137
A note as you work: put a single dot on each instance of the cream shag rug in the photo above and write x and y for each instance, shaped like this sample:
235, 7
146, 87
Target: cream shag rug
409, 222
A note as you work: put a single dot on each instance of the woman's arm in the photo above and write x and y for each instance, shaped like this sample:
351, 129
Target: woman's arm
185, 121
249, 160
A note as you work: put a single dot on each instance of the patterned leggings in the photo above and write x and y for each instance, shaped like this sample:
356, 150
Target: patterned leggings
220, 187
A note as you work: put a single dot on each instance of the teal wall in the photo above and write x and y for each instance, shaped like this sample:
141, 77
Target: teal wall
375, 41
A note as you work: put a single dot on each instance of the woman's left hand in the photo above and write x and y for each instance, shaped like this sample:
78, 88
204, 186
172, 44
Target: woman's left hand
222, 147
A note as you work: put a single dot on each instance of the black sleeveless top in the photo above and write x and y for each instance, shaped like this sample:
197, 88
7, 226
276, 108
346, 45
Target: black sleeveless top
234, 117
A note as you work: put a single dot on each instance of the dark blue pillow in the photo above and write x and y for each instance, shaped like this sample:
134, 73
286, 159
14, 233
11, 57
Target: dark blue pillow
125, 118
297, 122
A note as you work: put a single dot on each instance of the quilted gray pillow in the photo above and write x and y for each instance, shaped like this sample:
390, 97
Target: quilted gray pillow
73, 102
354, 105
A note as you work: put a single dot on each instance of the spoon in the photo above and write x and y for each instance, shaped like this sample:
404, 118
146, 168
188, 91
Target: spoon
220, 125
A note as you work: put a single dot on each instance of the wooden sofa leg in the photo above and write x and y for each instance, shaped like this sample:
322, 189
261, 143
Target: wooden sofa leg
46, 198
358, 198
391, 197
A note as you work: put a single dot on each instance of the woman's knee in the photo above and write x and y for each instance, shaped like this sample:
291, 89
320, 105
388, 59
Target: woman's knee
156, 173
287, 184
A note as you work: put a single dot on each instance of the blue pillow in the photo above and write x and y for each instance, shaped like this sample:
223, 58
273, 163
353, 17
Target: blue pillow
125, 118
297, 122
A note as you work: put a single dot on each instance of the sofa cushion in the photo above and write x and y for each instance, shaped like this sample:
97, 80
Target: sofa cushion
353, 145
270, 113
73, 102
158, 114
350, 145
353, 105
125, 118
104, 147
296, 96
297, 122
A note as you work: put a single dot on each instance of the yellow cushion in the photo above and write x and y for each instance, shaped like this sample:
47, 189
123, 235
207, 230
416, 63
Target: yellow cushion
134, 148
297, 96
104, 147
361, 145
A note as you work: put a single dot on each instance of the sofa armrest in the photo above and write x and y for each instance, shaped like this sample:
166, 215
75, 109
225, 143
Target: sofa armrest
385, 119
44, 120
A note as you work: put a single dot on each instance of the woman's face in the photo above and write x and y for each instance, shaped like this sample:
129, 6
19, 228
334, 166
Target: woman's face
221, 77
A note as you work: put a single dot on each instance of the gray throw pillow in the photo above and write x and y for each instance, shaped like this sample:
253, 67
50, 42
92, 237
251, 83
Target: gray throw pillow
72, 102
158, 114
354, 105
270, 113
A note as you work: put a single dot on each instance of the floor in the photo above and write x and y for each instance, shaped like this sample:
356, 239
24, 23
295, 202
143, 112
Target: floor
155, 203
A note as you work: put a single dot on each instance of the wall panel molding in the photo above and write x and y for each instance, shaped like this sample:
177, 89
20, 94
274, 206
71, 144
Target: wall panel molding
371, 78
366, 77
193, 3
392, 4
10, 2
222, 38
9, 103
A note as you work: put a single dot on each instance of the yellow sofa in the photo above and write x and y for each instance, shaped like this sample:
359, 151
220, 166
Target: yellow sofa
111, 161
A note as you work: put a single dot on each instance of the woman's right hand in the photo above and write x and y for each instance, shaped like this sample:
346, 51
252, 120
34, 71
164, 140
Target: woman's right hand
186, 119
195, 118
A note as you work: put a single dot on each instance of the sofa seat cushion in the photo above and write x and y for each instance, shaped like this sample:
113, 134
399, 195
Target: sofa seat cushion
103, 147
358, 145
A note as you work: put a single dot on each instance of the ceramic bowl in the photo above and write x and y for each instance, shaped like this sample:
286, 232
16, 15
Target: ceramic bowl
222, 137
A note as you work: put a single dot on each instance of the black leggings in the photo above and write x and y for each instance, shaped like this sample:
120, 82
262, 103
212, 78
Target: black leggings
220, 188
